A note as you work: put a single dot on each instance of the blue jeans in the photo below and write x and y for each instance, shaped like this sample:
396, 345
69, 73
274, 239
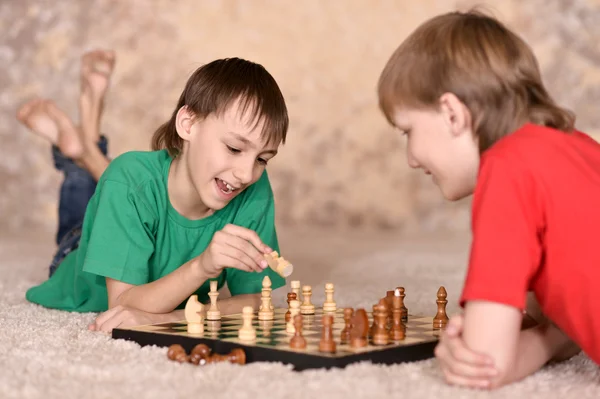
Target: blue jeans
76, 190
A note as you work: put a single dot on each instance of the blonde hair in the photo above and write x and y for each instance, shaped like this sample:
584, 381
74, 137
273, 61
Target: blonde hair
475, 57
212, 88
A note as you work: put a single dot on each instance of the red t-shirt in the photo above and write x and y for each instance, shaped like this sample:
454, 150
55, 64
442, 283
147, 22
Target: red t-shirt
536, 226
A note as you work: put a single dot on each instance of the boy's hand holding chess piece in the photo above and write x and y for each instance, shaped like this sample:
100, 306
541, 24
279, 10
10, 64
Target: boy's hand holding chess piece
235, 247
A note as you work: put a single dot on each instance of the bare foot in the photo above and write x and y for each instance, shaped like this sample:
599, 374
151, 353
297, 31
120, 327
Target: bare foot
43, 117
34, 115
96, 69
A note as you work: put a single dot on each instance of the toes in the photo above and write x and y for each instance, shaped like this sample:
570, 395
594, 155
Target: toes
26, 109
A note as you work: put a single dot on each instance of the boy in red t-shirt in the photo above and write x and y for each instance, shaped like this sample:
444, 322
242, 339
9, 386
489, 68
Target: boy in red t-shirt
468, 95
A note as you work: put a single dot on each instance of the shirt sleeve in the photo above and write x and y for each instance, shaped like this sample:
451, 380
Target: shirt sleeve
121, 240
263, 223
507, 223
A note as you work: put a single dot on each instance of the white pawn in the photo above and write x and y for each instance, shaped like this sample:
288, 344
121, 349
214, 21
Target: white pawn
265, 312
213, 313
295, 285
294, 310
329, 304
247, 332
307, 307
193, 315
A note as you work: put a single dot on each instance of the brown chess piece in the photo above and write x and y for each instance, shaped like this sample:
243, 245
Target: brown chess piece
380, 334
389, 298
360, 329
177, 353
236, 356
345, 334
404, 308
290, 297
327, 344
441, 318
199, 354
298, 341
397, 330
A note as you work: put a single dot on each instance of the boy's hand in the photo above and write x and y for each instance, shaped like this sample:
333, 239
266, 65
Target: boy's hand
121, 316
460, 365
235, 247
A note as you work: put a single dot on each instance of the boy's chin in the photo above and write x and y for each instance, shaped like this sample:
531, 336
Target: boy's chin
455, 195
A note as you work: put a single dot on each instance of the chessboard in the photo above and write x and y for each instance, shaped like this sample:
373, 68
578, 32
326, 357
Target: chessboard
272, 343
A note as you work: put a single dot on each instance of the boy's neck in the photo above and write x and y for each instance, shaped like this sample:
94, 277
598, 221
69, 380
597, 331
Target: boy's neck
183, 196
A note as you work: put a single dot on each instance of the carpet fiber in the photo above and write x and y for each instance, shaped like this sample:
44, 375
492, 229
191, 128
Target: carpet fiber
50, 354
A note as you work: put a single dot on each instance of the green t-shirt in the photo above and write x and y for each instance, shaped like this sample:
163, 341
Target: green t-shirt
131, 233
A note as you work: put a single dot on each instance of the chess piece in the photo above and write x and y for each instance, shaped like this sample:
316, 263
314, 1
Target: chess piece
266, 326
380, 335
404, 308
279, 264
294, 310
307, 307
327, 344
345, 334
265, 311
199, 354
360, 328
298, 341
177, 353
397, 331
213, 312
247, 332
193, 315
295, 286
329, 304
290, 297
236, 356
441, 318
389, 298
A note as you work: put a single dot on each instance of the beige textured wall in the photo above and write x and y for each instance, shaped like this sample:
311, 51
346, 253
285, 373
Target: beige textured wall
342, 165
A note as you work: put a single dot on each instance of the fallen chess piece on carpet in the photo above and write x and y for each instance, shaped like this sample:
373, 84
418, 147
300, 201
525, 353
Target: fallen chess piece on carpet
201, 355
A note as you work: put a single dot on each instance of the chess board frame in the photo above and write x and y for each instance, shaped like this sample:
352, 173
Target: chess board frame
166, 334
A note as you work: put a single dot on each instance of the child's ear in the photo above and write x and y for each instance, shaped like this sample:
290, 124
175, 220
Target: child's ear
455, 113
183, 122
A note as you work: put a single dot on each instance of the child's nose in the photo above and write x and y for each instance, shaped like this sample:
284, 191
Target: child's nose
412, 161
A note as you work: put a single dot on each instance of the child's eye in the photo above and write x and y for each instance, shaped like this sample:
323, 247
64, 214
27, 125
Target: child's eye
233, 150
262, 161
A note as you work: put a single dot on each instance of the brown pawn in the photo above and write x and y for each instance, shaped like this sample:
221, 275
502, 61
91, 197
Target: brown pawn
441, 318
380, 336
345, 334
404, 308
327, 344
177, 353
298, 341
199, 354
360, 329
290, 297
397, 331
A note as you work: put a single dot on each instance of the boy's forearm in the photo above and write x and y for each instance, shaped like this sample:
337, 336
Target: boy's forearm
166, 293
235, 304
537, 346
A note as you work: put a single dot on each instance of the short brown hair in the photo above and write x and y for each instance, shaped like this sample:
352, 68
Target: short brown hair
213, 87
475, 57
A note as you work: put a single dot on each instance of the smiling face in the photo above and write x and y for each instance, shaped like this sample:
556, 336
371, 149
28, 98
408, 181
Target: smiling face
222, 156
442, 144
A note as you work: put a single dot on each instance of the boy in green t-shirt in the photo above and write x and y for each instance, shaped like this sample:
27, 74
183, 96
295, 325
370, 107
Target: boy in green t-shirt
159, 225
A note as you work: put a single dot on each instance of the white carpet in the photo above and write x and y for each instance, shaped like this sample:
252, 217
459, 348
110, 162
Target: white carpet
50, 354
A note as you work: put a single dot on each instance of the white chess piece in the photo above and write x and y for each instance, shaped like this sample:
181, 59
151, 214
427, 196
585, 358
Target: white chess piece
295, 285
247, 332
294, 310
213, 312
329, 305
265, 312
193, 315
307, 307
